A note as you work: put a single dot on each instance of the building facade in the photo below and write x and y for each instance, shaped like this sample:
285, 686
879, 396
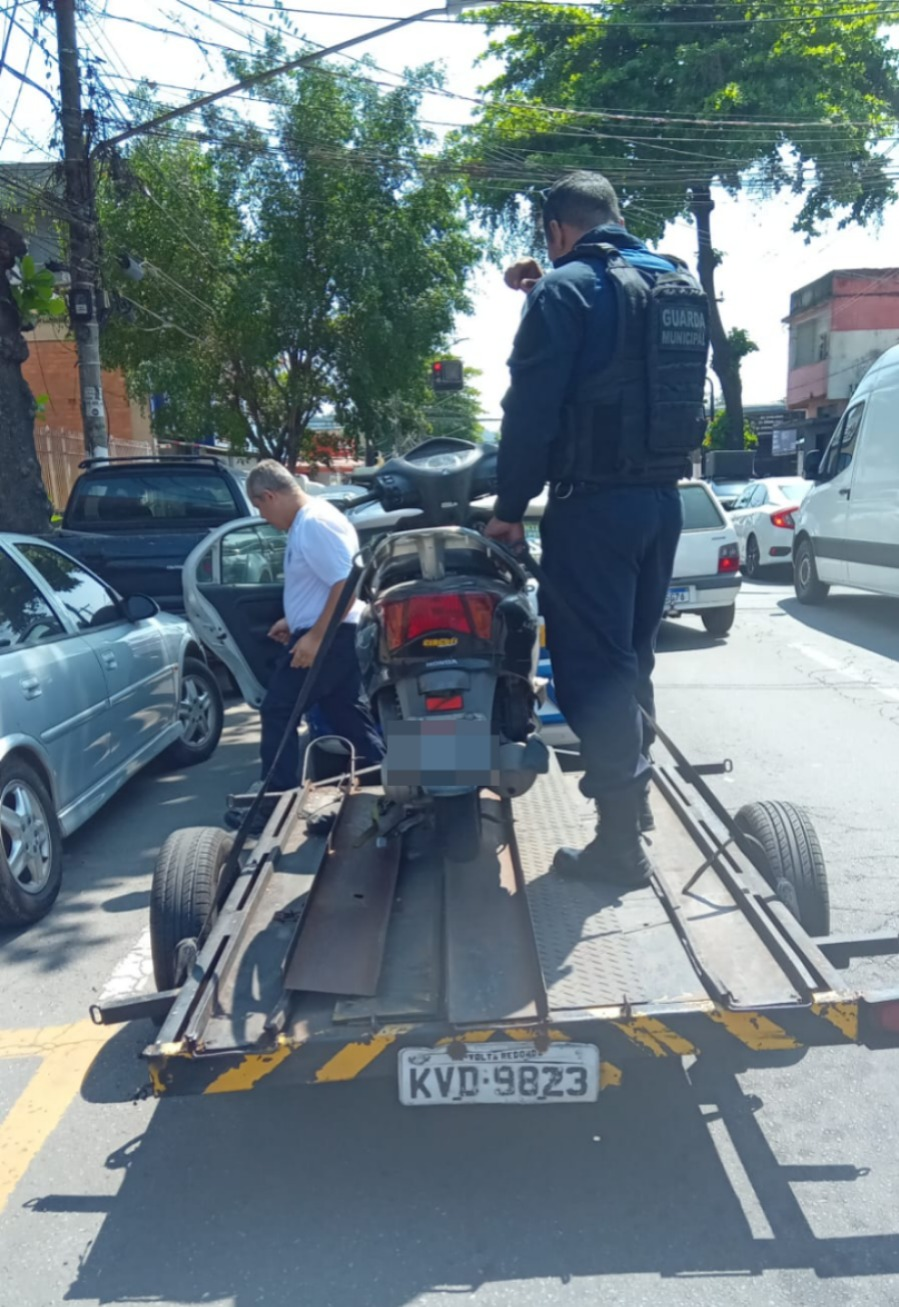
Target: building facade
838, 326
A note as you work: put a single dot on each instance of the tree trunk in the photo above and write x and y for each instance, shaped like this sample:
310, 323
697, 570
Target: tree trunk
24, 505
725, 361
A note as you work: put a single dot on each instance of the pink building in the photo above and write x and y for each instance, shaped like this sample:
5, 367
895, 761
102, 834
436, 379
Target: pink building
839, 325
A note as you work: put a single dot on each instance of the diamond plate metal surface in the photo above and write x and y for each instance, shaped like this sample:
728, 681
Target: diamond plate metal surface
584, 941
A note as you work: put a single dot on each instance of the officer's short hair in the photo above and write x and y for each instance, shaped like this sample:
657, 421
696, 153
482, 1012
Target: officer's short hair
269, 475
581, 199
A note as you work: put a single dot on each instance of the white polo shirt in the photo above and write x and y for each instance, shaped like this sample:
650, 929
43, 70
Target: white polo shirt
321, 545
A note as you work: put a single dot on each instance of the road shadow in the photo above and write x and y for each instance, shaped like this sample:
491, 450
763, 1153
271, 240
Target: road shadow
335, 1194
775, 574
868, 621
677, 635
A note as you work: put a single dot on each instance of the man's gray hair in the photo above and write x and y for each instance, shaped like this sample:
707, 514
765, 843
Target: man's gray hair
272, 476
581, 199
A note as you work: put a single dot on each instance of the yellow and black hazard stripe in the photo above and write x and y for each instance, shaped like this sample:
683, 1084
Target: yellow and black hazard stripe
708, 1030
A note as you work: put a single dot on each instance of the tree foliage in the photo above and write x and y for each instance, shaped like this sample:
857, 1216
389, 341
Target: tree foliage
671, 98
24, 505
316, 264
458, 413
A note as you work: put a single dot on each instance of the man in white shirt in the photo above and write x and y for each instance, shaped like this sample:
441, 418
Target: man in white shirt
321, 545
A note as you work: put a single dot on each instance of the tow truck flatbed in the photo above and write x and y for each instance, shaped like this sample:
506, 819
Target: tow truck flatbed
334, 954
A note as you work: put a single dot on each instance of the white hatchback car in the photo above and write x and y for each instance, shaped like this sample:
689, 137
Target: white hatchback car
764, 518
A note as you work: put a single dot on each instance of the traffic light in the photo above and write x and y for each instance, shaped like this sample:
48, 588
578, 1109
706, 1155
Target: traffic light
447, 375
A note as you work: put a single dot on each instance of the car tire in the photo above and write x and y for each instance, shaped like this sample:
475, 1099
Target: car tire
30, 845
202, 710
185, 881
783, 845
718, 621
809, 590
752, 564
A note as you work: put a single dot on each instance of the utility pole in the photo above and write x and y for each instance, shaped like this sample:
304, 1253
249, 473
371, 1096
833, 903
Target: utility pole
84, 298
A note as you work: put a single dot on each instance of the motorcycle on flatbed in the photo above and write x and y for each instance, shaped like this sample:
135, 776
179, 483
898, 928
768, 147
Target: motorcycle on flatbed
416, 928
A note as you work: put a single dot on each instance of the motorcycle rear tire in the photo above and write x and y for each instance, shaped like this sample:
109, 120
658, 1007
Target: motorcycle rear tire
457, 818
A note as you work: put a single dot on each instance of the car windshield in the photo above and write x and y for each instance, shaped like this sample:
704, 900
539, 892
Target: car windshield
701, 513
728, 489
795, 491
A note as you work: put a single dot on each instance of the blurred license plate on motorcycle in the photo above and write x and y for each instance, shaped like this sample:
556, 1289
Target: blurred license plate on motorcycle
449, 752
506, 1073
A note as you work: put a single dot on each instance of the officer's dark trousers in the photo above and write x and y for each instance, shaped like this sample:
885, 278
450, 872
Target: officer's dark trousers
339, 695
610, 554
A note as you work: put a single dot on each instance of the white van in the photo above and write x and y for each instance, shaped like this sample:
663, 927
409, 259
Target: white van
847, 530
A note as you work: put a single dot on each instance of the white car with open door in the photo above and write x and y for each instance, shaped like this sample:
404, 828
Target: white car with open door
764, 518
233, 591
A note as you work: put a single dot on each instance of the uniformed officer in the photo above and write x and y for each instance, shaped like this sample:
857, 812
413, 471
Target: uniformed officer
605, 402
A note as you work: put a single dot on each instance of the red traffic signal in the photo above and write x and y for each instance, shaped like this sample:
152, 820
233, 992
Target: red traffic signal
447, 375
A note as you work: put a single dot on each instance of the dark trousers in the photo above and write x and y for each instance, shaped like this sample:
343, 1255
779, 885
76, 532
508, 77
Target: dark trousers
609, 554
338, 693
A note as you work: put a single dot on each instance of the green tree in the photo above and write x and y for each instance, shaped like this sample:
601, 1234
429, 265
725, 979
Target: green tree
671, 99
457, 413
319, 264
718, 434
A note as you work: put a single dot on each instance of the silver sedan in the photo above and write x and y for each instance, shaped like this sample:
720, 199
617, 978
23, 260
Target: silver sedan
92, 687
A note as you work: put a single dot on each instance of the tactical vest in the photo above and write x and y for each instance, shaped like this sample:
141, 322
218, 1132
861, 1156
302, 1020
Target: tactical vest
637, 420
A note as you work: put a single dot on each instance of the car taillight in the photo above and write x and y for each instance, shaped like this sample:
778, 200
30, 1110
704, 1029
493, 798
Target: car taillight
729, 558
784, 517
469, 613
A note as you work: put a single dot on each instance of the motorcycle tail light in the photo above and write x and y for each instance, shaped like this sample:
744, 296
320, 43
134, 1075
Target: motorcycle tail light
467, 613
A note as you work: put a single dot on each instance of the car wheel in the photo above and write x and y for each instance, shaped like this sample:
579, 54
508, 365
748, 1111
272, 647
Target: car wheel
182, 896
784, 847
202, 713
753, 562
30, 845
718, 621
809, 590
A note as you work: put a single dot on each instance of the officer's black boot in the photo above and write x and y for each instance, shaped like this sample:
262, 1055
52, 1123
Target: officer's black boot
616, 856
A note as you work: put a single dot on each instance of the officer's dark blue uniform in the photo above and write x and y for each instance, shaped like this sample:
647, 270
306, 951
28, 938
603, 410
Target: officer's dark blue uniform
608, 549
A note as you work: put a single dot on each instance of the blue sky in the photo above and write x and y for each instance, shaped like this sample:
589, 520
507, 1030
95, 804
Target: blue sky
764, 260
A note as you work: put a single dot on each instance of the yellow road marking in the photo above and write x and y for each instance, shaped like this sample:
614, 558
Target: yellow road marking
842, 1015
66, 1053
754, 1030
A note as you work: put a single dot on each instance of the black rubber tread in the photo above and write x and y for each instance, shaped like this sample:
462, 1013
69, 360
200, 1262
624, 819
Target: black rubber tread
16, 907
753, 571
718, 621
790, 859
181, 754
185, 878
457, 818
816, 591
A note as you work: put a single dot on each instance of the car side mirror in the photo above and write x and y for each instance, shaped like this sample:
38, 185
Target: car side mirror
811, 464
137, 608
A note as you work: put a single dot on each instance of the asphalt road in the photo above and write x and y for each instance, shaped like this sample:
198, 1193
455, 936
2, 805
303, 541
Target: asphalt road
780, 1186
